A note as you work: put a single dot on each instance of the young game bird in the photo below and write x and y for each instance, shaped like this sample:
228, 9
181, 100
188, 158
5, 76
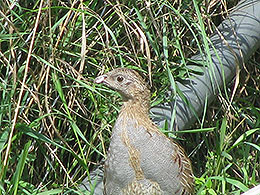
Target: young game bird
141, 159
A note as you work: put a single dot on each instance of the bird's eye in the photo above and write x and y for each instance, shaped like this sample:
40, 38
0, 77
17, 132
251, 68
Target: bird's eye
120, 78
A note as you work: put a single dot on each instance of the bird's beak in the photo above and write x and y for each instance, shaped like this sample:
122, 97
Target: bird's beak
100, 79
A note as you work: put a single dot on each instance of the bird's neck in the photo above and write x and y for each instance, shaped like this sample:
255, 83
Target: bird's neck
135, 108
137, 105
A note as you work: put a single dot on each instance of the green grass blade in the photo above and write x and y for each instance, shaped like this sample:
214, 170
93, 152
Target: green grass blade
19, 169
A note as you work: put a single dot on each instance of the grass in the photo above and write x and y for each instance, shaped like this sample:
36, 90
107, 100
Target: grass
55, 123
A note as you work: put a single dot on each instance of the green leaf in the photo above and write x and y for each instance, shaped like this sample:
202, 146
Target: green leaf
49, 192
253, 145
19, 169
243, 137
38, 136
223, 134
234, 182
3, 139
226, 155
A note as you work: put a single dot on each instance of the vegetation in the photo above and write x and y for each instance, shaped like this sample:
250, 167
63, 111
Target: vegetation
55, 123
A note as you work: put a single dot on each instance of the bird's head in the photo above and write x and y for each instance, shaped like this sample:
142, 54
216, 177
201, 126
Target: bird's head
127, 82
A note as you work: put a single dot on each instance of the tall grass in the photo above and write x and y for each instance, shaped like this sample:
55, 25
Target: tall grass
55, 123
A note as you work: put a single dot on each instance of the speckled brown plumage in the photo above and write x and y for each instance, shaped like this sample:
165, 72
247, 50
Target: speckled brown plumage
141, 159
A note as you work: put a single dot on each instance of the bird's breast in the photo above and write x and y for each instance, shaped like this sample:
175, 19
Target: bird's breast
138, 153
